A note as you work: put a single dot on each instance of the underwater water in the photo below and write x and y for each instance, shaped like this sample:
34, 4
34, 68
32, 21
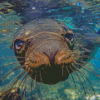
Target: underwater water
81, 15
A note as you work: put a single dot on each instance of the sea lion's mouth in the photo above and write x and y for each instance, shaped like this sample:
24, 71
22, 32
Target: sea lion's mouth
49, 74
42, 69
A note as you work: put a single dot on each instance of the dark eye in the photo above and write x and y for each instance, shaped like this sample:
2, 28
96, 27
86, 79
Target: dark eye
19, 44
69, 36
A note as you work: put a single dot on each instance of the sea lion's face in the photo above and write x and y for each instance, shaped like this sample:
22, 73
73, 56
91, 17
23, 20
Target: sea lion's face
47, 55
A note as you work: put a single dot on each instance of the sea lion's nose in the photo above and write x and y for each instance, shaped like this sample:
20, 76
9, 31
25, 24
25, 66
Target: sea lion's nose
51, 48
59, 56
50, 53
46, 53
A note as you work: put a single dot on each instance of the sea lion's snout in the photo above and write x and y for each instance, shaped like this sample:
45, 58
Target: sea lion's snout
49, 57
48, 54
46, 50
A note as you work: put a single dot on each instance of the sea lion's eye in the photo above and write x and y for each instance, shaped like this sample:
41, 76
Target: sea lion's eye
70, 40
18, 44
69, 36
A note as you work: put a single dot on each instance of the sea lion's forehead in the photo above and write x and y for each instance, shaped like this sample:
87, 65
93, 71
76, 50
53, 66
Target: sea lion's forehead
42, 25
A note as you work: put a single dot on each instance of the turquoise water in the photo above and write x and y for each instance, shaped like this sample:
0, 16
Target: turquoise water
81, 15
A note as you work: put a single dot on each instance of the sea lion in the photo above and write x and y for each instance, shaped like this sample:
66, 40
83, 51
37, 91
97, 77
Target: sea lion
80, 44
46, 45
48, 50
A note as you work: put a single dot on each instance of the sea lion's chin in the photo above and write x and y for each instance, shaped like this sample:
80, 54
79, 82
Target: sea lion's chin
49, 71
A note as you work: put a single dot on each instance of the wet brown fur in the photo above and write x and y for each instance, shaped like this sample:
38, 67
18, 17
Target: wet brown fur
38, 35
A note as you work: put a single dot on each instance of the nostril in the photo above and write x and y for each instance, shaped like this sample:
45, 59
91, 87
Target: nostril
51, 55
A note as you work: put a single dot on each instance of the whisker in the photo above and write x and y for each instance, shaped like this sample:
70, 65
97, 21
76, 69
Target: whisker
84, 45
18, 78
41, 81
86, 50
35, 84
94, 64
95, 38
24, 77
3, 77
68, 71
11, 57
73, 81
38, 88
87, 57
11, 64
11, 81
31, 88
85, 77
71, 76
23, 84
84, 62
23, 80
89, 70
5, 47
62, 71
82, 51
24, 92
31, 85
75, 52
16, 82
79, 80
